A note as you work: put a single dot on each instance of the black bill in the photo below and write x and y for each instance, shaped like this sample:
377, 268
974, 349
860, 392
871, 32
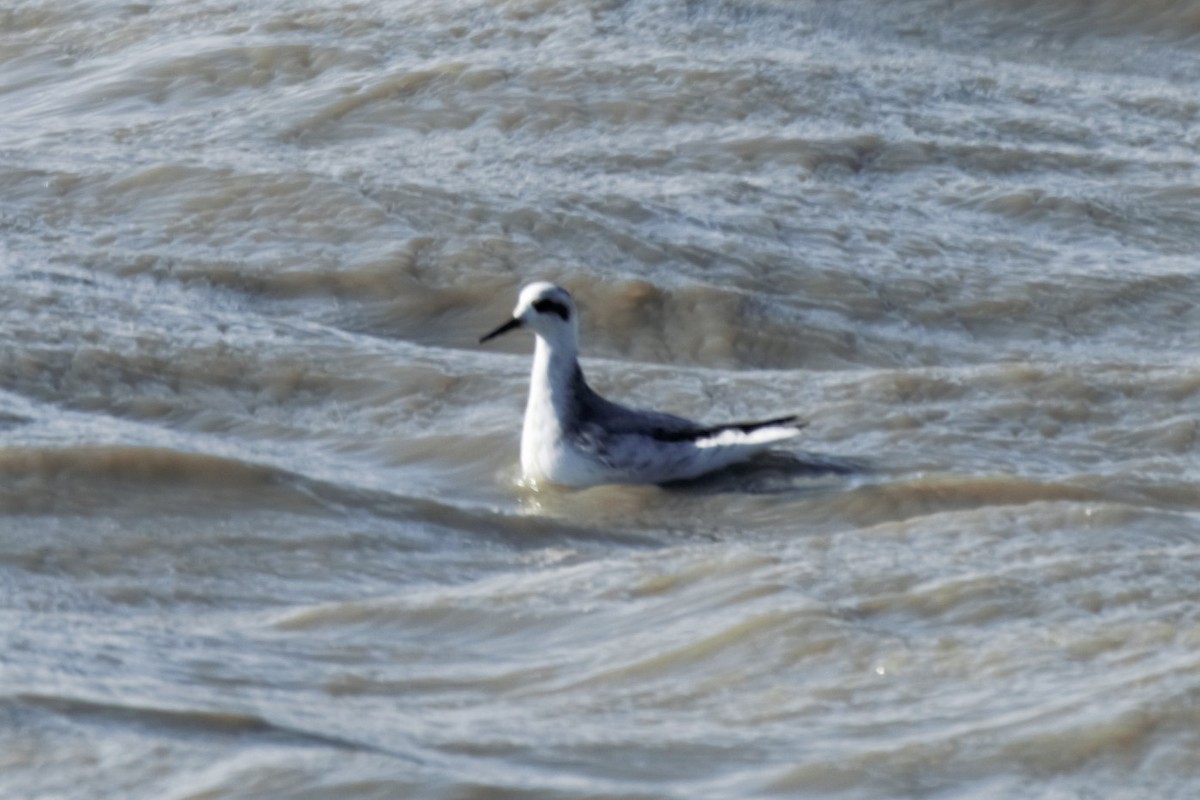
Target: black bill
505, 328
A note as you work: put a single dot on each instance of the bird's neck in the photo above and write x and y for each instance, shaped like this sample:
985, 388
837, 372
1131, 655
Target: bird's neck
553, 385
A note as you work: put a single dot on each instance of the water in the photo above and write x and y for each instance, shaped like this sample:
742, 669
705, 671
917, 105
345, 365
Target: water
261, 528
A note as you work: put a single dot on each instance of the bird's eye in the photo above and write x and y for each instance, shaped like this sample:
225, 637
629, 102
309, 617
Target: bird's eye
552, 307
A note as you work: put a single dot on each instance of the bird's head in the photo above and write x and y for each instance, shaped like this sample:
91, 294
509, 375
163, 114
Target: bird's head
545, 309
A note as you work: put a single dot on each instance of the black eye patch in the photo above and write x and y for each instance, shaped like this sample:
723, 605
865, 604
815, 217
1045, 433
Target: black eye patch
552, 307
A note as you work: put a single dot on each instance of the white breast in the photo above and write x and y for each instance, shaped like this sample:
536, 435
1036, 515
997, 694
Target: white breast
545, 453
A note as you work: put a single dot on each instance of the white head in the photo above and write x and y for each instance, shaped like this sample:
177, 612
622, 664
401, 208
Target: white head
548, 311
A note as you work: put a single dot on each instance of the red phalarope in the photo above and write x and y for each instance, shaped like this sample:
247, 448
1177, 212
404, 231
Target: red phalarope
575, 437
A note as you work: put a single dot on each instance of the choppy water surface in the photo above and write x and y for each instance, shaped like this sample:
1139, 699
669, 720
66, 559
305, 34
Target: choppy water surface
261, 535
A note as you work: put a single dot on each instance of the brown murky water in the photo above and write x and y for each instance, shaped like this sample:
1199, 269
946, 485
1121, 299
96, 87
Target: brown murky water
260, 534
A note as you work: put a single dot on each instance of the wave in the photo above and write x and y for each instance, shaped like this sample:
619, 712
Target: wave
1098, 729
136, 479
1175, 18
185, 722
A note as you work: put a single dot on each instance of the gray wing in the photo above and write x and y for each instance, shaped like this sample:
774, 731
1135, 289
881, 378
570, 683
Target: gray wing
616, 437
605, 429
621, 420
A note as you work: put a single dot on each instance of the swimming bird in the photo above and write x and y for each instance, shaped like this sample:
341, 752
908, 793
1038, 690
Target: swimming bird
573, 436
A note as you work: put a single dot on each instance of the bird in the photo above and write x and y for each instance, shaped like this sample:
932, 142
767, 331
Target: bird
573, 437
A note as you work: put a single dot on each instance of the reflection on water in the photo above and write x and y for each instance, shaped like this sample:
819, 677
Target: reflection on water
262, 528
